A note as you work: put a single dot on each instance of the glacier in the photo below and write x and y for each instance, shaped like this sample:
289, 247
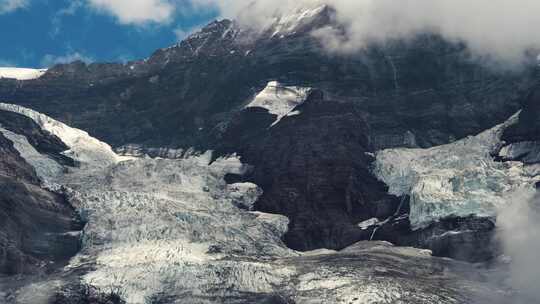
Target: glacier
156, 225
457, 179
172, 230
280, 100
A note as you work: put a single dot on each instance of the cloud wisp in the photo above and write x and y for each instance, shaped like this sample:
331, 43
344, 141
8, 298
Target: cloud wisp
519, 230
8, 6
501, 29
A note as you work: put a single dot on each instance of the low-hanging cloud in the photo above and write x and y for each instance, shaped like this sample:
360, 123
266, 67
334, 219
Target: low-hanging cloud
501, 29
519, 230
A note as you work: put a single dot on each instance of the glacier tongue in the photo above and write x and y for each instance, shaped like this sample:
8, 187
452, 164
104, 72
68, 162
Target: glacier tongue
160, 225
458, 179
165, 225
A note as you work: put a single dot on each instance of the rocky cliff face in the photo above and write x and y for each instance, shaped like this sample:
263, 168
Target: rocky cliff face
522, 140
38, 228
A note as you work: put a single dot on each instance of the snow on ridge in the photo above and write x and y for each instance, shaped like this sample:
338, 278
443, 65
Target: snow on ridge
21, 73
288, 24
280, 100
83, 148
459, 178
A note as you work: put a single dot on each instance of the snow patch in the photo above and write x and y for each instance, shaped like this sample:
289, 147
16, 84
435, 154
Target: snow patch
280, 100
21, 73
368, 223
83, 148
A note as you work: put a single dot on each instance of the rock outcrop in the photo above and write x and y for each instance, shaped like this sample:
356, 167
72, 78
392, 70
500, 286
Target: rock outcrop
38, 229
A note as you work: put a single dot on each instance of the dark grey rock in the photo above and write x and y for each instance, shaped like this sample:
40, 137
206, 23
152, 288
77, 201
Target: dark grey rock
38, 229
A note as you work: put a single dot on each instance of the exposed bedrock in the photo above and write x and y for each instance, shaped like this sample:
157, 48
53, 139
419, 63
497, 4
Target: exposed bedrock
522, 140
315, 169
38, 228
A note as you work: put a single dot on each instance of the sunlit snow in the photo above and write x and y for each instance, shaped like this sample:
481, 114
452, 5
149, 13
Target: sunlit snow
21, 73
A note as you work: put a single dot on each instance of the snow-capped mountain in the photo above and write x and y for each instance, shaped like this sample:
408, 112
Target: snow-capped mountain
251, 165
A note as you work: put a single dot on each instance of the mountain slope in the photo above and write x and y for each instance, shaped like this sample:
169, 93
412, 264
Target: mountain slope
38, 228
313, 167
171, 231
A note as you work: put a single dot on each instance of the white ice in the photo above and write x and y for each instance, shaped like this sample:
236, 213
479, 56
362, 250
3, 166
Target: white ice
458, 179
161, 225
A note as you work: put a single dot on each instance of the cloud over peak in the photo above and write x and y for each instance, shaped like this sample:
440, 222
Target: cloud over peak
500, 29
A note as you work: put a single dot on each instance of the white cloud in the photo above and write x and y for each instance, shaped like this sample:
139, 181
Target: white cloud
50, 60
136, 11
501, 29
69, 10
8, 6
519, 230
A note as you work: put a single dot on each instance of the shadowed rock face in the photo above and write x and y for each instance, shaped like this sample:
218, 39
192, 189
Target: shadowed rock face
523, 139
528, 127
423, 92
314, 168
469, 239
37, 228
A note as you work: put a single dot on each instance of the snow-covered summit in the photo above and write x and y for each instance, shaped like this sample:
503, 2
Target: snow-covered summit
21, 73
287, 24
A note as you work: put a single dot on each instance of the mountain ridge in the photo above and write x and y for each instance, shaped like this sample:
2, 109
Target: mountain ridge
417, 93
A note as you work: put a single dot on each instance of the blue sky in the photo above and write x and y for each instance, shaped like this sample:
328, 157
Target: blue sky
39, 33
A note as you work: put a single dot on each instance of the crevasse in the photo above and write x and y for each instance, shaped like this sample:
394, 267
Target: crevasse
160, 225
